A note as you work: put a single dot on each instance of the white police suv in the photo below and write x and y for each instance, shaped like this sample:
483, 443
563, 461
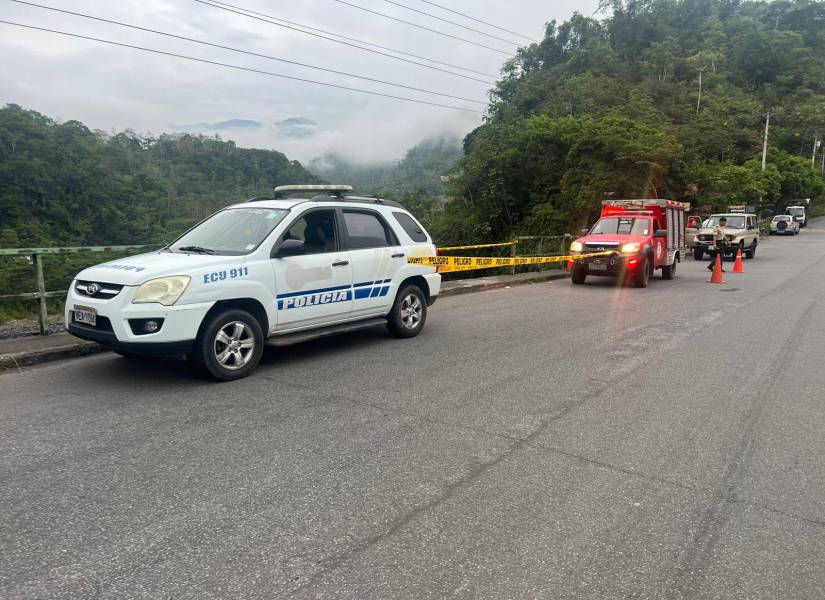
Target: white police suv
269, 271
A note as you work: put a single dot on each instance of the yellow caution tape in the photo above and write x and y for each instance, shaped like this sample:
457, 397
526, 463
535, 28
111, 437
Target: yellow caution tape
447, 264
448, 248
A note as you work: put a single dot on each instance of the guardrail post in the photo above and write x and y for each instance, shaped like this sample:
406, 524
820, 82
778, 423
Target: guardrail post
43, 309
513, 254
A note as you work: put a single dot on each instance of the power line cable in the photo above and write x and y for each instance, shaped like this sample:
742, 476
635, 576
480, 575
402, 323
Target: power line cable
240, 68
442, 19
466, 16
256, 54
270, 20
352, 39
445, 34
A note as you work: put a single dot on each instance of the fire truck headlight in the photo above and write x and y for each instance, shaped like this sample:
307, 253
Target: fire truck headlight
576, 247
631, 248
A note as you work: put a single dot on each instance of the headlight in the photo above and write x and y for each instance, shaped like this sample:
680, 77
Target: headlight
631, 248
576, 247
164, 290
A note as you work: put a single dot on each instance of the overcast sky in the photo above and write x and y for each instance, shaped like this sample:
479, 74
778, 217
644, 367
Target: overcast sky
110, 87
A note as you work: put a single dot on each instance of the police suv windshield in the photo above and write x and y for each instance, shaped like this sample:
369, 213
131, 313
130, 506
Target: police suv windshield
232, 231
621, 226
734, 222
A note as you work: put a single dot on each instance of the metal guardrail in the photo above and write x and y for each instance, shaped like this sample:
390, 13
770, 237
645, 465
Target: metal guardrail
36, 257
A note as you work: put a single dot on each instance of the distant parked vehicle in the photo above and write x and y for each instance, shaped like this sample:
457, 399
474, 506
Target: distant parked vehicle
799, 214
784, 225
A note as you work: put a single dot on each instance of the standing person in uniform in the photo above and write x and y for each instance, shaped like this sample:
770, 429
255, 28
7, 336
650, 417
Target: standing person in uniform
720, 242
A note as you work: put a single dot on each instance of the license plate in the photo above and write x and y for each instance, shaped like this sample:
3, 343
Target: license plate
84, 314
597, 267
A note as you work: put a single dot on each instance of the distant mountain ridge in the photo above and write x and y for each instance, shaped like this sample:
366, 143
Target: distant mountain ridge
222, 125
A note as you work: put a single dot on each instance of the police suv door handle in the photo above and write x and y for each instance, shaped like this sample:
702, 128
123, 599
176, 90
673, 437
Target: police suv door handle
399, 255
340, 263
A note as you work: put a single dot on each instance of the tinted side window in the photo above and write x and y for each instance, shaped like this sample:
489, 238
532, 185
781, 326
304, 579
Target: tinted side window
409, 225
365, 230
316, 230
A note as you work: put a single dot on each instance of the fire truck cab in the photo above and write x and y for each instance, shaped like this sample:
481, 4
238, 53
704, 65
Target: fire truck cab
639, 236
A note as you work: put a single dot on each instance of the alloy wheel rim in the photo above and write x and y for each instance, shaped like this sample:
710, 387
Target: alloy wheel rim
411, 309
234, 345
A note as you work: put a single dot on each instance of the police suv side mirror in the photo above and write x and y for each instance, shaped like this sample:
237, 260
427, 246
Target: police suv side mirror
289, 248
660, 233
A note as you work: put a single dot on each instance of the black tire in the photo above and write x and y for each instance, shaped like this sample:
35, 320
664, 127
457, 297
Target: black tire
698, 253
771, 233
236, 362
409, 312
578, 275
642, 275
669, 271
751, 252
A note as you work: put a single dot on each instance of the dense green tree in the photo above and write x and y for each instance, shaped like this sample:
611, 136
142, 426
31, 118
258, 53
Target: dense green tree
669, 98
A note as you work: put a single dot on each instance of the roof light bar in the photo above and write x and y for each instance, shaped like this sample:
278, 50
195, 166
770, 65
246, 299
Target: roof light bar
336, 190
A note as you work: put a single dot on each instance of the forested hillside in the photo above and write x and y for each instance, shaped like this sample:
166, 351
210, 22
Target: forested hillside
656, 97
62, 184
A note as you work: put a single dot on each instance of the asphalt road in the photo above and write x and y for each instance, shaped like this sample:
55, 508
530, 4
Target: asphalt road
543, 441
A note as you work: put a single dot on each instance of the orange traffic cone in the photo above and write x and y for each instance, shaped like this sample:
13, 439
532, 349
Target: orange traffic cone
737, 266
716, 276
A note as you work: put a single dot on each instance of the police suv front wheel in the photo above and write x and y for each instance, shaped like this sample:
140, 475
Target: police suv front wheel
406, 319
229, 345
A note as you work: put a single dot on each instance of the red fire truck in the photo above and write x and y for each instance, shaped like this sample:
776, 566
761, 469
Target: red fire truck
640, 237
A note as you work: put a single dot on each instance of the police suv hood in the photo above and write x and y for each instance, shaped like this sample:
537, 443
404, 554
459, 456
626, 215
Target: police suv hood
135, 270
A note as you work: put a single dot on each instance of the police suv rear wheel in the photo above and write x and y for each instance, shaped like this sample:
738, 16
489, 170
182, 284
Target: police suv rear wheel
229, 345
406, 319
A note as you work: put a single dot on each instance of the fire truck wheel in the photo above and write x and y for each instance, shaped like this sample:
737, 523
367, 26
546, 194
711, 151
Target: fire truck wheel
698, 253
578, 275
642, 275
669, 271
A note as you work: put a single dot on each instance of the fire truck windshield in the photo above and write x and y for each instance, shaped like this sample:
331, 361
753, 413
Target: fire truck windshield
622, 226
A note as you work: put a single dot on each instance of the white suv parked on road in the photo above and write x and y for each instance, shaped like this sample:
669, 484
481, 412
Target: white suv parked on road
269, 271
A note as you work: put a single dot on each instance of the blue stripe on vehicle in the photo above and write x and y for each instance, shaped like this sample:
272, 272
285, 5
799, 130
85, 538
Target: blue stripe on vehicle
362, 293
319, 291
366, 283
384, 291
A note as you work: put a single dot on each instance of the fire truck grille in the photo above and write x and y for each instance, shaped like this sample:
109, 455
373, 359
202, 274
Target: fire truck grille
595, 247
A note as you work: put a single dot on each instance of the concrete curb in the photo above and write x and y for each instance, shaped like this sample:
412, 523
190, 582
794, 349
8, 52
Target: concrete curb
15, 360
483, 284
